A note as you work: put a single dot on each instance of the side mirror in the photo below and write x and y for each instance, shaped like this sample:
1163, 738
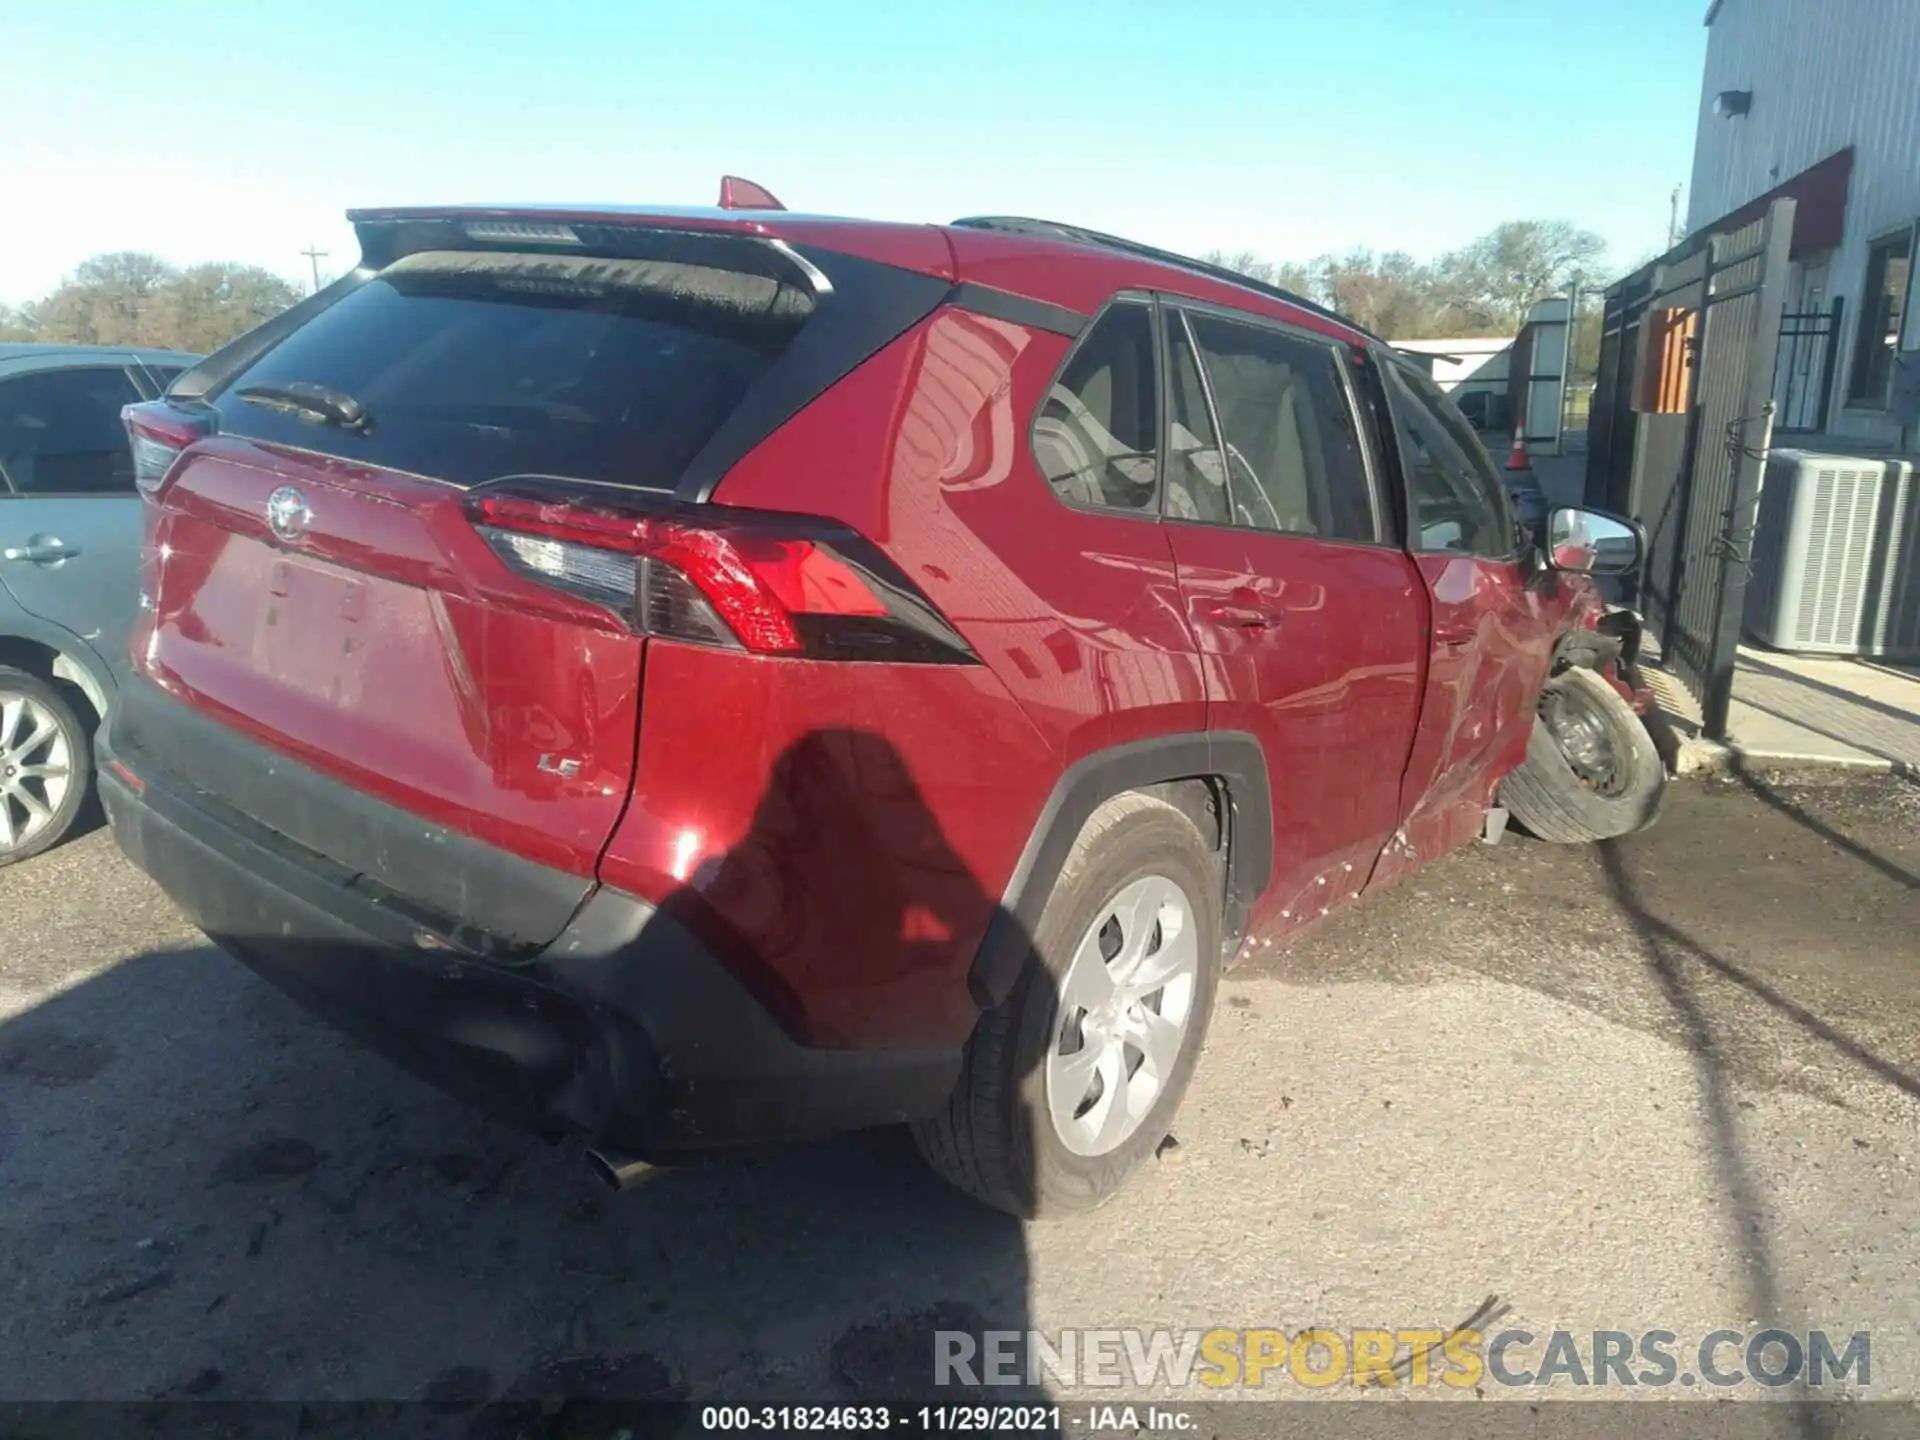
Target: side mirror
1591, 542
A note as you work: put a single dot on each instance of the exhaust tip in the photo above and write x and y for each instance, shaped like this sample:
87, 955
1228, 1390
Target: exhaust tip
619, 1171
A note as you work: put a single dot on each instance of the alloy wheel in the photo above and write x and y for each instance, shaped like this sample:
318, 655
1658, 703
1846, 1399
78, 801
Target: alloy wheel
1125, 1008
36, 769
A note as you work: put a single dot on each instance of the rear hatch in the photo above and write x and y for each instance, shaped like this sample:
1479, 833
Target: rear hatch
321, 579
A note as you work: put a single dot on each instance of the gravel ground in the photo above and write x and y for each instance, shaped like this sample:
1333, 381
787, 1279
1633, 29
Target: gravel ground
1669, 1083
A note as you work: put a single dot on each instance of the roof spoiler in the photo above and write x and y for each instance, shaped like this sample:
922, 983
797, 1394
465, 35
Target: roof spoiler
738, 194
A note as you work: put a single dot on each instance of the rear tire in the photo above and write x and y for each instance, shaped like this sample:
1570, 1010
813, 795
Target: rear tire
1060, 1101
46, 766
1592, 771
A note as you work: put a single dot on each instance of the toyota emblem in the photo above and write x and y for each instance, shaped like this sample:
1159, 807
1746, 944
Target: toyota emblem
288, 514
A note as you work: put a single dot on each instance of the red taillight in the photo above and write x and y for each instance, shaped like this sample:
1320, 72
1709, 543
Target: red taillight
769, 584
808, 578
158, 433
731, 583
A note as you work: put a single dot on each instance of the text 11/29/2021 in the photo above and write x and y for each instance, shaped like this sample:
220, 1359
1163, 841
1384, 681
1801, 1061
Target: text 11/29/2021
905, 1419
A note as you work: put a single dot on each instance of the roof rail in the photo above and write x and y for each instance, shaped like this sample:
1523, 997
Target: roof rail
1054, 229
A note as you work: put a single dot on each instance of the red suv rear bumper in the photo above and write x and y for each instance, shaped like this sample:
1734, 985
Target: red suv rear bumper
623, 1028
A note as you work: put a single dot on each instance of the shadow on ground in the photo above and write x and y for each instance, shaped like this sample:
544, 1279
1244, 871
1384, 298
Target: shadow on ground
1771, 790
1768, 925
210, 1194
1674, 958
1793, 897
1688, 972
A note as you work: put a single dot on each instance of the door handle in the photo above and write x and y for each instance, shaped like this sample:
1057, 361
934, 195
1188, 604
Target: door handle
40, 552
1241, 616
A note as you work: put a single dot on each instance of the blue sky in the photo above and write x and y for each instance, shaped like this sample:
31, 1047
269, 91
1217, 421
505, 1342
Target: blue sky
231, 130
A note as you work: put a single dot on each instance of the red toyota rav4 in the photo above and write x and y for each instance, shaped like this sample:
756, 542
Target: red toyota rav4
701, 678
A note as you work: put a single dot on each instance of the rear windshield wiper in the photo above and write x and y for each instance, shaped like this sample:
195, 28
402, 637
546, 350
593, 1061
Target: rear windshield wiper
323, 402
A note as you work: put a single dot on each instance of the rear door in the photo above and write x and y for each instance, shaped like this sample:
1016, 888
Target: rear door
1307, 613
1492, 630
69, 516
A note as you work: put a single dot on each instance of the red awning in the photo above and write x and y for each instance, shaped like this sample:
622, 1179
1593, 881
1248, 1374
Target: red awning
1820, 217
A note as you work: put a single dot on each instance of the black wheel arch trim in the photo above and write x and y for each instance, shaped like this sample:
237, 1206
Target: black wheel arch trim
1234, 758
92, 672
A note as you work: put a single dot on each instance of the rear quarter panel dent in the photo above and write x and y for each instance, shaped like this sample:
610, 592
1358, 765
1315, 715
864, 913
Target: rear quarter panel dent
844, 849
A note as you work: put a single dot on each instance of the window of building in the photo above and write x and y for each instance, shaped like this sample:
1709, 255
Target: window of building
1882, 308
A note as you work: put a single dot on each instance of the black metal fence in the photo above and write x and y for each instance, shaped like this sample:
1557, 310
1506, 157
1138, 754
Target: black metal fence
1612, 426
1803, 379
1682, 418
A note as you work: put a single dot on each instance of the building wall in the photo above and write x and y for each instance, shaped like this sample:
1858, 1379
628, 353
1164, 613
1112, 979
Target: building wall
1478, 363
1824, 74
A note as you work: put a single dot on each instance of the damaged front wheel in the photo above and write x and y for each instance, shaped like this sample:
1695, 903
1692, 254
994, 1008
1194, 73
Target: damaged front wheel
1591, 772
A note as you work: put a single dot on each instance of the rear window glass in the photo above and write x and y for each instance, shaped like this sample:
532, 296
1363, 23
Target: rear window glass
475, 365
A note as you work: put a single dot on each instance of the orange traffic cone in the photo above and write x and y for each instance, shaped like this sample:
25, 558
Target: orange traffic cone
1517, 457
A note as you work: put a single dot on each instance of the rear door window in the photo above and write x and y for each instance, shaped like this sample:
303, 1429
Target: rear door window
475, 365
1196, 471
1294, 462
61, 432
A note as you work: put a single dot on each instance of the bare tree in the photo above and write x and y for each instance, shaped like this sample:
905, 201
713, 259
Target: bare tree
208, 305
106, 299
1486, 287
1391, 294
1300, 279
1497, 278
129, 298
15, 324
1243, 262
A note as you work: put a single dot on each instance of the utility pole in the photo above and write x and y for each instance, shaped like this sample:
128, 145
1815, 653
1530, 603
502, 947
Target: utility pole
1673, 219
314, 257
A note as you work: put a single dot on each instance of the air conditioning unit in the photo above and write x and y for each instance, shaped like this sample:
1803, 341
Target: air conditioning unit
1836, 554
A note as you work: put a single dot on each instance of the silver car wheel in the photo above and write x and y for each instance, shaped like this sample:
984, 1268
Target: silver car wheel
1124, 1011
36, 769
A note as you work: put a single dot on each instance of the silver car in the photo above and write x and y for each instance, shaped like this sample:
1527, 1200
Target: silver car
69, 570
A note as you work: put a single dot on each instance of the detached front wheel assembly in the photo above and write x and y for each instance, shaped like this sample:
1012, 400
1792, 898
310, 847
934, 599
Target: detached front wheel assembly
1591, 772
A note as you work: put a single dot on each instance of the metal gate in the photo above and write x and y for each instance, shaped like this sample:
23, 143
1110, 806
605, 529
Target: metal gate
1809, 355
1611, 430
1682, 420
